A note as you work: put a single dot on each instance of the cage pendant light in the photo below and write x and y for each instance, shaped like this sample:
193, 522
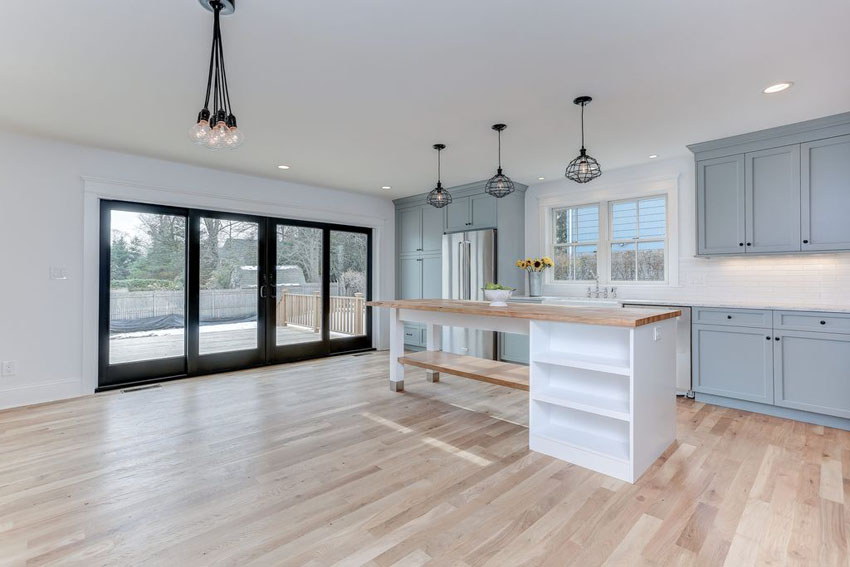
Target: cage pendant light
500, 185
439, 197
584, 168
216, 129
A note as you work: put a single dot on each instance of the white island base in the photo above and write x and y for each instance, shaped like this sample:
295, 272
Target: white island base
601, 396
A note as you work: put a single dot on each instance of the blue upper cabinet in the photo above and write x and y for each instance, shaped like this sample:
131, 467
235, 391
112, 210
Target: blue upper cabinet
825, 177
720, 205
773, 200
783, 190
471, 213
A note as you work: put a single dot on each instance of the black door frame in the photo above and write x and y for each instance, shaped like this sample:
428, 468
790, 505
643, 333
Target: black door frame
235, 359
267, 352
114, 375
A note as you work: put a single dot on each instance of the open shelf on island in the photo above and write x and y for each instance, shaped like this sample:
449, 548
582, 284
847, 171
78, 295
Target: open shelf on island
586, 441
587, 362
616, 408
492, 371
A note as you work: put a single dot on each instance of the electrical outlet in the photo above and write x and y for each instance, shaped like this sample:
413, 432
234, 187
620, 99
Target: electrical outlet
656, 333
7, 368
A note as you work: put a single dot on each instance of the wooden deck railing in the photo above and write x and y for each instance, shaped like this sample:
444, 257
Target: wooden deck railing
347, 314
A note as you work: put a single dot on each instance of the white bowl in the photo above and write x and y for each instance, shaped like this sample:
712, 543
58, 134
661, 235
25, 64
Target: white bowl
498, 297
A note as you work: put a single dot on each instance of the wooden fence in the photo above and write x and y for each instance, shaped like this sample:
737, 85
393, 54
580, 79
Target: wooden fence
347, 314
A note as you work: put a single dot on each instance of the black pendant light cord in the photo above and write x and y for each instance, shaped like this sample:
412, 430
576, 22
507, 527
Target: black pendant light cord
439, 184
217, 77
582, 125
500, 151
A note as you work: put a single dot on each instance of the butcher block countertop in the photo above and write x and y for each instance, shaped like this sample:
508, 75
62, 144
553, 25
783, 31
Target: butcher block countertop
607, 316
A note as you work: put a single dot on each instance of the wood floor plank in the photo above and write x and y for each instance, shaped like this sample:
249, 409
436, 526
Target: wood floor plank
316, 464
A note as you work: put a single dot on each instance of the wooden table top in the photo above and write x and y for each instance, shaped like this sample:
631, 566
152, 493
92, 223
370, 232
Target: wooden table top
608, 316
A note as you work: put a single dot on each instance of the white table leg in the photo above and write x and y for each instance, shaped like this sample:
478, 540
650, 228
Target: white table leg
396, 351
433, 340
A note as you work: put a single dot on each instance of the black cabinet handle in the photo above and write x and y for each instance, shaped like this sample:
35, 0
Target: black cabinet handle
777, 338
728, 316
740, 244
419, 250
823, 322
749, 243
805, 242
767, 338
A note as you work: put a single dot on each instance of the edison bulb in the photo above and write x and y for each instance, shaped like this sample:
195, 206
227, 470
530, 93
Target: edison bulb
199, 132
583, 168
236, 139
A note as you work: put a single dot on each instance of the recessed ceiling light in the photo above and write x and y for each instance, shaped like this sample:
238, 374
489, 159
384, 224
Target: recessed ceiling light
283, 167
386, 187
653, 156
778, 87
540, 178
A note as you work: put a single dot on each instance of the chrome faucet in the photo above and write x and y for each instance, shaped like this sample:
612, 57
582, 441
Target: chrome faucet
596, 292
613, 291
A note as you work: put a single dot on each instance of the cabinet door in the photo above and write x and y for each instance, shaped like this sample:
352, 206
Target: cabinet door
812, 372
410, 278
825, 177
514, 348
773, 200
733, 362
432, 229
482, 211
432, 281
410, 230
457, 215
720, 205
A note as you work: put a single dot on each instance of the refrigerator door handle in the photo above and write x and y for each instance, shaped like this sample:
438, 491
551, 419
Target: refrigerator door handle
464, 249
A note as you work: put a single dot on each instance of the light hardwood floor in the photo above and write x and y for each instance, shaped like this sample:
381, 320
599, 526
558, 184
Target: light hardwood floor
318, 463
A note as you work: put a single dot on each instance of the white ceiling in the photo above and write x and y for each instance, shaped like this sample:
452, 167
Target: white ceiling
353, 93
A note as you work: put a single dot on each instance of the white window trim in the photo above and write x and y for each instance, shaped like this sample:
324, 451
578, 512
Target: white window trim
602, 195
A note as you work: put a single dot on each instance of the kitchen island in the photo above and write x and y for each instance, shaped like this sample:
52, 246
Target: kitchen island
601, 380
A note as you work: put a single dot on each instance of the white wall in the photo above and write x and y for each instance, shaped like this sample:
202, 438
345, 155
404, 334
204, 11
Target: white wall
46, 219
817, 280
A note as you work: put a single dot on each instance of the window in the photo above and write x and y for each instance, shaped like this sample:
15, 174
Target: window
614, 241
576, 241
638, 236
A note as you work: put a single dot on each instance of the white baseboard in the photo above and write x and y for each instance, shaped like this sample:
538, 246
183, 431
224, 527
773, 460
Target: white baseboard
39, 393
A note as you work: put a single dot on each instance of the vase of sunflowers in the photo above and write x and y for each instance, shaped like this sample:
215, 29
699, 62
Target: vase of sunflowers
535, 268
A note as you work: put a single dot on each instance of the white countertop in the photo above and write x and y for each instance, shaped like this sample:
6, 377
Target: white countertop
696, 303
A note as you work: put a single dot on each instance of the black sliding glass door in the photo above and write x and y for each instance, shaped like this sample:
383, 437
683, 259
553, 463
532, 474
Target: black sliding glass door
143, 299
186, 292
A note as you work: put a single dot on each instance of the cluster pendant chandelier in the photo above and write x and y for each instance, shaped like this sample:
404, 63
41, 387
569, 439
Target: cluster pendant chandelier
439, 197
216, 129
583, 168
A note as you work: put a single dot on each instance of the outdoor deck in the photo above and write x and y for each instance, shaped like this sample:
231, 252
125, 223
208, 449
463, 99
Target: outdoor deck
131, 347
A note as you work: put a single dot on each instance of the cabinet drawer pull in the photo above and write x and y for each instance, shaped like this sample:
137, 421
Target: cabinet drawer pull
805, 242
767, 338
749, 243
740, 244
823, 322
728, 316
777, 338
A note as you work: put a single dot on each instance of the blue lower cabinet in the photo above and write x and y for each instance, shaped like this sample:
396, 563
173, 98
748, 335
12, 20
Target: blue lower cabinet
734, 362
514, 348
812, 372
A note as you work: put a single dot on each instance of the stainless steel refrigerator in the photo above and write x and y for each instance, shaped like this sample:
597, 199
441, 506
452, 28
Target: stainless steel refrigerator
469, 262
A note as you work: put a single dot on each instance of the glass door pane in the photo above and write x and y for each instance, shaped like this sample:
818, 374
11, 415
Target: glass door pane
229, 266
147, 286
349, 284
298, 302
